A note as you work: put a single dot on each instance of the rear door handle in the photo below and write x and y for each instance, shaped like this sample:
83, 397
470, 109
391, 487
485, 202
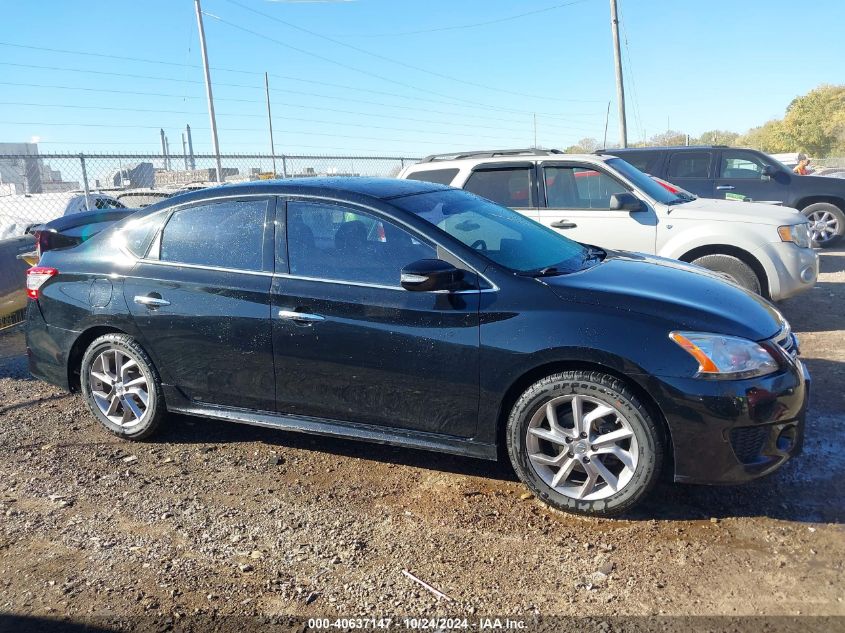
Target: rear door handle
151, 302
300, 317
563, 224
724, 187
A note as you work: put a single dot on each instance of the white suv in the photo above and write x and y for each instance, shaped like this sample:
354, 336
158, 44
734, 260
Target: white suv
605, 201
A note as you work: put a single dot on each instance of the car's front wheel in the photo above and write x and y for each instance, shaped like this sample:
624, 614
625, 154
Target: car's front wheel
827, 223
733, 269
583, 443
122, 387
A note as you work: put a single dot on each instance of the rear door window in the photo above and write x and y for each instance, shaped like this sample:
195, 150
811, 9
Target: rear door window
511, 187
690, 165
226, 234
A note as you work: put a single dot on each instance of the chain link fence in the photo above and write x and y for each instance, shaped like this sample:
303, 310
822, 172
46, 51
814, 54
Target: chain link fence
36, 188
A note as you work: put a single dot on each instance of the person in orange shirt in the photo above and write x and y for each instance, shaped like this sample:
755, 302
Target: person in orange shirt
803, 166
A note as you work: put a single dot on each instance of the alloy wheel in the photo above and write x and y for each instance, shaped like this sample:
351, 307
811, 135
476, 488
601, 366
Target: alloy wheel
119, 387
582, 447
823, 226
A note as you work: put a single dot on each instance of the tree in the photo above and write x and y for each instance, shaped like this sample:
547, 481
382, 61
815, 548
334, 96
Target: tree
771, 137
586, 145
669, 137
816, 122
717, 137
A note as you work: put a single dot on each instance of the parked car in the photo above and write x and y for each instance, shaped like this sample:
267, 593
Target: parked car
715, 171
140, 198
20, 212
13, 279
603, 200
457, 325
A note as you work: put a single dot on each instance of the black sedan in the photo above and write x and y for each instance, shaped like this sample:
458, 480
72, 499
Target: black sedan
410, 313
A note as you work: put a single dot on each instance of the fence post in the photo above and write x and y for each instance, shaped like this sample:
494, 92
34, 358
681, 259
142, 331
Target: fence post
85, 182
402, 163
284, 166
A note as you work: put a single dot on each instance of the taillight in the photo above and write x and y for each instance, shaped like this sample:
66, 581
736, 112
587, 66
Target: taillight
37, 277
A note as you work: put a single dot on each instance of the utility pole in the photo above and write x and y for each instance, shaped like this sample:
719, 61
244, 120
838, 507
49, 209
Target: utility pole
270, 121
606, 121
214, 144
535, 130
620, 87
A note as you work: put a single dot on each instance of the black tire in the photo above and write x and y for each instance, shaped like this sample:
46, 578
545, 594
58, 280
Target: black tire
734, 269
153, 411
609, 391
821, 210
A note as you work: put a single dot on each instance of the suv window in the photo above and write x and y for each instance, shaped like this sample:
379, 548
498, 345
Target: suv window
739, 164
689, 165
226, 234
330, 241
440, 176
510, 187
644, 161
579, 188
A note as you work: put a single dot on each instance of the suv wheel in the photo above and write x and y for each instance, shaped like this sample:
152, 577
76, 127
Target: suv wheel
734, 269
121, 386
583, 443
827, 223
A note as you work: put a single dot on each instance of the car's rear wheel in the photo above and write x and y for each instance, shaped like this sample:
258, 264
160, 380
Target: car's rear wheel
122, 387
583, 443
732, 268
827, 223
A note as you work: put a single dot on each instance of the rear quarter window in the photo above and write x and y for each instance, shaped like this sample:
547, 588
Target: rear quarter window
646, 162
439, 176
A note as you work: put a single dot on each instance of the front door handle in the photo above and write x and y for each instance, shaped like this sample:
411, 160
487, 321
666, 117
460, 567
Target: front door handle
151, 302
563, 224
724, 187
300, 317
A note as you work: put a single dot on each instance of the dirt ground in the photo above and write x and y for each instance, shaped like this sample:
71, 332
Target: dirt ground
213, 518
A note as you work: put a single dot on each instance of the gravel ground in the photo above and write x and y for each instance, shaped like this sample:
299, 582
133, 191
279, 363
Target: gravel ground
213, 519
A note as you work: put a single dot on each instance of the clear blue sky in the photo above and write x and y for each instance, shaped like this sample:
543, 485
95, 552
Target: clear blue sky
698, 65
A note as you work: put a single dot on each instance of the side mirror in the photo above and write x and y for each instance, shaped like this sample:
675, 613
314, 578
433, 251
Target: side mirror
768, 172
625, 202
428, 275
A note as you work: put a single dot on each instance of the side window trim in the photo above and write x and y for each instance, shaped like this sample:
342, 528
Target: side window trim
484, 283
545, 194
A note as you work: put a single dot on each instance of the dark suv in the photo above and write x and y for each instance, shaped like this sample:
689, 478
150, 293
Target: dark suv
406, 312
732, 173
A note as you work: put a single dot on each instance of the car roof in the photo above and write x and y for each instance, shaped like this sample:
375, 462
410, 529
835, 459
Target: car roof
513, 158
379, 188
660, 148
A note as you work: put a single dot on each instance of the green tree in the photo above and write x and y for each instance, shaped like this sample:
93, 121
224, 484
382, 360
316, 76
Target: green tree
717, 137
771, 137
669, 137
815, 122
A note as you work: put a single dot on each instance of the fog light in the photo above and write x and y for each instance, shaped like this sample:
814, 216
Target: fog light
808, 274
786, 439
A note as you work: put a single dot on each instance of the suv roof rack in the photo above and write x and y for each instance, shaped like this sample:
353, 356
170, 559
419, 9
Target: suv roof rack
658, 147
491, 153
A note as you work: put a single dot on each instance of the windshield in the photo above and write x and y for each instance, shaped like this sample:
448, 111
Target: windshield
645, 183
500, 234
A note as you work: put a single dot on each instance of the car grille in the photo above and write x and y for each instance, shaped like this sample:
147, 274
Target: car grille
748, 442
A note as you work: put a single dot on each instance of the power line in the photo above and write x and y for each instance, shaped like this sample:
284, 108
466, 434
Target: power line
471, 26
261, 116
293, 92
381, 57
256, 73
631, 75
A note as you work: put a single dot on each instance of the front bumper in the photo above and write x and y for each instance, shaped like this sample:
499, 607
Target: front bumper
734, 431
790, 269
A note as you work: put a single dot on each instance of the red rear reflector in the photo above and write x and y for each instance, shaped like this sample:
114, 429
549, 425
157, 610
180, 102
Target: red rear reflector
36, 277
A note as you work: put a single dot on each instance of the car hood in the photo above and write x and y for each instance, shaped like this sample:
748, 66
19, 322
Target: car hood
735, 211
685, 296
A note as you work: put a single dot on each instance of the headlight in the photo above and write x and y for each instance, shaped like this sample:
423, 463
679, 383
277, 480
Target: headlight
725, 357
798, 233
